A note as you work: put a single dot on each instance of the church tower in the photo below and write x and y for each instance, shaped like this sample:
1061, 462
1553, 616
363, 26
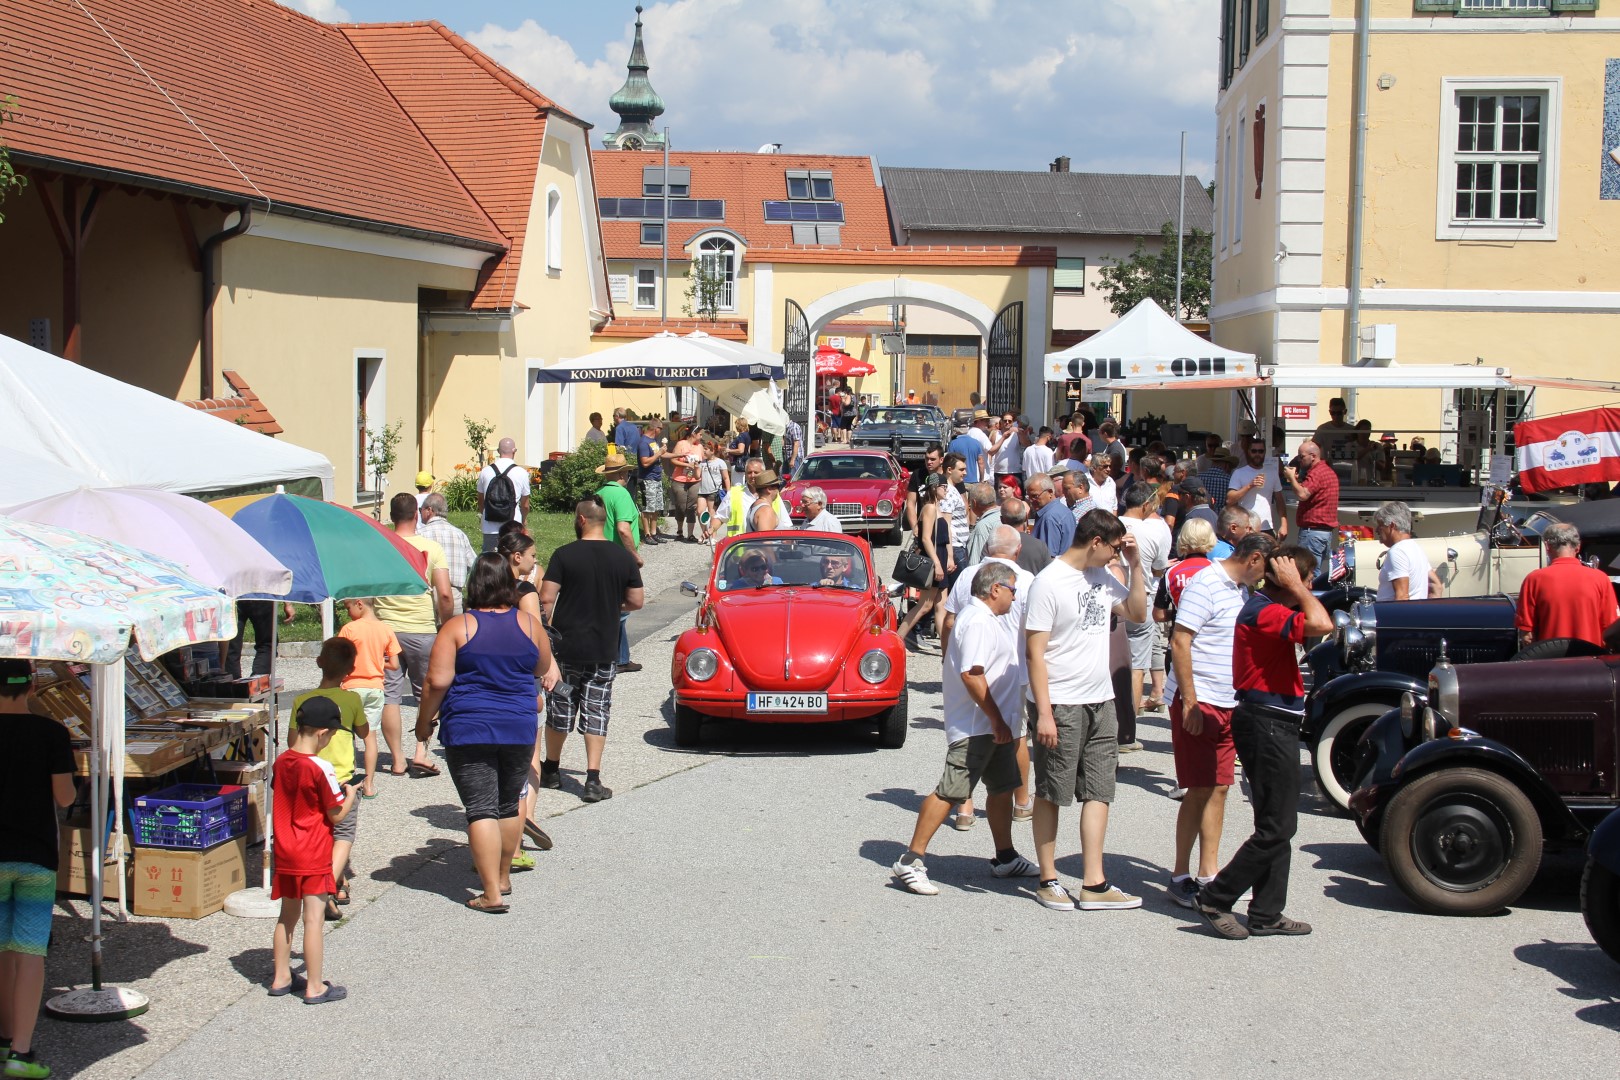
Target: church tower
637, 104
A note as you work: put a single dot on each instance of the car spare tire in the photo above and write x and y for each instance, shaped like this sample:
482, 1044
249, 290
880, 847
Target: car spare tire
1557, 649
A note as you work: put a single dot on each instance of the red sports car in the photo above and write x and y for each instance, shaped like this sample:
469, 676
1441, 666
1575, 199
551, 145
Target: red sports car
793, 628
865, 489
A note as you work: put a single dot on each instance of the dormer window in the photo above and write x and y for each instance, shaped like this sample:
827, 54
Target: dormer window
805, 184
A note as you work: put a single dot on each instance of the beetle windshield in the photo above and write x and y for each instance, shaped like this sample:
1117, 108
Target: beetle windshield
819, 467
770, 561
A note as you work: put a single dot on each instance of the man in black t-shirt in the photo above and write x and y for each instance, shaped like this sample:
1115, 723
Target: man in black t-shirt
933, 462
36, 776
587, 584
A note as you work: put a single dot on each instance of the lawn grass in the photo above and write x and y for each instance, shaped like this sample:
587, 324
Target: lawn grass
550, 531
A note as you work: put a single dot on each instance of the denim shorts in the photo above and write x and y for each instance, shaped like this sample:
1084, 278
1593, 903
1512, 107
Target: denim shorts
489, 777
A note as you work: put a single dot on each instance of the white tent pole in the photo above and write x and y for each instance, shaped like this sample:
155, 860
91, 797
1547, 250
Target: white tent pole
103, 691
270, 742
116, 738
328, 619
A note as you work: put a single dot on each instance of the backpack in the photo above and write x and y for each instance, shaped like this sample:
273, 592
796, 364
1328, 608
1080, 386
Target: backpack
500, 497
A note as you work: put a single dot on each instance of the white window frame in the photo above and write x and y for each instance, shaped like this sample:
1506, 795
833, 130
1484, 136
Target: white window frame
728, 294
376, 361
642, 236
1225, 193
636, 284
1448, 227
554, 238
1239, 179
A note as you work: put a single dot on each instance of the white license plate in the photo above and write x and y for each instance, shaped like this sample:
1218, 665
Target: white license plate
787, 703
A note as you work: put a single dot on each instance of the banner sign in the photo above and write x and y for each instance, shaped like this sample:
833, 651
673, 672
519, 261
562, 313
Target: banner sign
656, 373
1562, 451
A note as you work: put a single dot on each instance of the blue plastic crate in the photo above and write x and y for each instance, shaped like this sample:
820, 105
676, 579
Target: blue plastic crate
193, 816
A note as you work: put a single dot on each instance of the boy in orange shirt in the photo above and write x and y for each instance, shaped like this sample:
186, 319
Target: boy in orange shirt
376, 650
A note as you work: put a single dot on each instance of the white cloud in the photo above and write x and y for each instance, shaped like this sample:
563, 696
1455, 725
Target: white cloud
325, 10
995, 83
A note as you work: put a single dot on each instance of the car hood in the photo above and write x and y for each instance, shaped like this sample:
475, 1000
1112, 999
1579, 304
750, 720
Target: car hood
843, 490
1445, 613
790, 638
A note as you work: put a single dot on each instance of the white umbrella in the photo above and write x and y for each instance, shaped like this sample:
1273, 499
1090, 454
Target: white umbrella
763, 411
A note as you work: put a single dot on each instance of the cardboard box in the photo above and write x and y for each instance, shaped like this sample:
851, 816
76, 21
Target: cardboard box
74, 862
187, 884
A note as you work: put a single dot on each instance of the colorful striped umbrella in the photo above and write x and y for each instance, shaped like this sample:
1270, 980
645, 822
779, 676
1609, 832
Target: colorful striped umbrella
332, 551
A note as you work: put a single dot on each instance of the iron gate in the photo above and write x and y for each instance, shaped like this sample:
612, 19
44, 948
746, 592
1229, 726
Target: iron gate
1004, 376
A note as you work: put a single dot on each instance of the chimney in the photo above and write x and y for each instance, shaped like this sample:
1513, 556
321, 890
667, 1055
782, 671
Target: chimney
1060, 165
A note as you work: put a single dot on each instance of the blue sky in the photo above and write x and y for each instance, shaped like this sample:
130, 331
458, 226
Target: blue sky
945, 83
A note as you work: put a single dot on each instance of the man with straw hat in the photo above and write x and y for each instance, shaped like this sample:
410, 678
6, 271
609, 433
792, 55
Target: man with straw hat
623, 526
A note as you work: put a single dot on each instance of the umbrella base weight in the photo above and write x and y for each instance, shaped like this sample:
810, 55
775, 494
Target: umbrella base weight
97, 1006
252, 904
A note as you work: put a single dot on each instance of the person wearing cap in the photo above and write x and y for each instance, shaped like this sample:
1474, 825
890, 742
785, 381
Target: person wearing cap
974, 446
623, 526
36, 777
911, 397
424, 486
1336, 437
308, 802
763, 515
739, 500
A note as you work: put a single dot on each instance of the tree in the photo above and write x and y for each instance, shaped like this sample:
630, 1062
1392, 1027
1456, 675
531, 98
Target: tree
705, 284
382, 454
1127, 282
10, 182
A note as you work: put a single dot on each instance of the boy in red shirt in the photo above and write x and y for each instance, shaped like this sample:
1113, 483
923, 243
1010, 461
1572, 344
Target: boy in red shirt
308, 802
1265, 728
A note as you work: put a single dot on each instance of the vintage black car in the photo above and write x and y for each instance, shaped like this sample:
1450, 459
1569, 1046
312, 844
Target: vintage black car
1600, 886
1463, 788
906, 431
1380, 650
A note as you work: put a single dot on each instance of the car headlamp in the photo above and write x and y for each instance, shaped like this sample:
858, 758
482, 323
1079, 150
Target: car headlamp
1350, 641
875, 666
701, 665
885, 507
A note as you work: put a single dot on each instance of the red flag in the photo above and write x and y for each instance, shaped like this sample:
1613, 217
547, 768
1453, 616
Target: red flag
1570, 449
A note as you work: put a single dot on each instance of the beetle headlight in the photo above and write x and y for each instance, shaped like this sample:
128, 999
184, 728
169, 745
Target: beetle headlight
885, 507
875, 666
701, 664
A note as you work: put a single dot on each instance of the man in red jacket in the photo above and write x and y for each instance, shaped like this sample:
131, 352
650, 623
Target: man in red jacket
1565, 598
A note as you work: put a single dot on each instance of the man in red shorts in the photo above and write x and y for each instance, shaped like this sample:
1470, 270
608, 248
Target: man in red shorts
1566, 598
1265, 729
1201, 710
308, 801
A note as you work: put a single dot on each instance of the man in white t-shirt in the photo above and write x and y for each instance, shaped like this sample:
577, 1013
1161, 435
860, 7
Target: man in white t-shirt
1007, 446
1255, 487
491, 512
982, 726
1202, 702
1071, 700
1153, 541
1102, 482
1039, 457
1405, 573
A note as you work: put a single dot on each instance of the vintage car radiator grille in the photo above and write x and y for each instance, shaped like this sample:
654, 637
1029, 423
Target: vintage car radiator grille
1417, 657
845, 510
1560, 745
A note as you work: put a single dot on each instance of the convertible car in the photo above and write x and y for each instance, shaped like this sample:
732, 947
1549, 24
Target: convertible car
865, 489
906, 431
792, 628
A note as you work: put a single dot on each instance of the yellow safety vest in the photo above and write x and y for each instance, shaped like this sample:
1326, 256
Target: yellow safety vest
738, 522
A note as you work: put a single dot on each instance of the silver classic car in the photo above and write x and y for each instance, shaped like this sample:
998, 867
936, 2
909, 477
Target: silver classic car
906, 431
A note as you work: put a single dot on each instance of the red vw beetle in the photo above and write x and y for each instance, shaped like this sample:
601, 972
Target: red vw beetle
793, 628
865, 489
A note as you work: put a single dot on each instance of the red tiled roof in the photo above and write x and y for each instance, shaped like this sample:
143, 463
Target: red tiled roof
245, 408
485, 122
909, 256
730, 329
744, 181
281, 108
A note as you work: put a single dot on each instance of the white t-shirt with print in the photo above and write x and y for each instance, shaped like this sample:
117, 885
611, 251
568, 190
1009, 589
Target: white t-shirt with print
1074, 607
980, 640
1209, 607
1405, 560
953, 508
1258, 502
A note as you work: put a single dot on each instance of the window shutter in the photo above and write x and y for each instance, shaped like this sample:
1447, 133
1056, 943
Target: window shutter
804, 234
1437, 6
1574, 5
1262, 20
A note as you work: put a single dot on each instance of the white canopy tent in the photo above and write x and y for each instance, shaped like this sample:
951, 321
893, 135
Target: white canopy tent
64, 426
1146, 349
667, 359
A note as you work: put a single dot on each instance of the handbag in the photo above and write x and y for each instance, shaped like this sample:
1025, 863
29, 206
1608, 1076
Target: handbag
914, 567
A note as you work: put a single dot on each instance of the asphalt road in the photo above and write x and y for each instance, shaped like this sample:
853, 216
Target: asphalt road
729, 913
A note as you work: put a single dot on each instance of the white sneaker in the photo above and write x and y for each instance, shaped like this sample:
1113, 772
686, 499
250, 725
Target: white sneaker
1112, 898
1017, 866
915, 878
1178, 794
1055, 897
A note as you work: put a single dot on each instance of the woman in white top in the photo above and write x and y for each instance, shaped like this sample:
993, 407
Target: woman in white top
713, 475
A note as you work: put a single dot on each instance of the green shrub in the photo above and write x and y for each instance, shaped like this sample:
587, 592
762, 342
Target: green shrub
461, 492
573, 477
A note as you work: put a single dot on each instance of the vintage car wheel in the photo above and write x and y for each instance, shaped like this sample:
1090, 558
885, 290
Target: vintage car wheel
1600, 906
1557, 649
894, 725
1462, 841
688, 726
1333, 754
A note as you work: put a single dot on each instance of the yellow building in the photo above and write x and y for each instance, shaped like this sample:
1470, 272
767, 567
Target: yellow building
1492, 196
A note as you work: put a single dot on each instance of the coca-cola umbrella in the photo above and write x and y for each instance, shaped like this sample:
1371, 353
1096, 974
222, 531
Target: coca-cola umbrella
831, 361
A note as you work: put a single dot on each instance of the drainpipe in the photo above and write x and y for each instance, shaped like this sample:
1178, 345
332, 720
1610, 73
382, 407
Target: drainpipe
1358, 189
209, 287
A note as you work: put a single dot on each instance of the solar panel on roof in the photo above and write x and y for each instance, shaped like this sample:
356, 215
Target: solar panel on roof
784, 210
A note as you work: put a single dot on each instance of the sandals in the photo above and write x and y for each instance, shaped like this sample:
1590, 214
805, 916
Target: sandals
477, 904
418, 771
1282, 927
329, 995
297, 986
332, 912
537, 834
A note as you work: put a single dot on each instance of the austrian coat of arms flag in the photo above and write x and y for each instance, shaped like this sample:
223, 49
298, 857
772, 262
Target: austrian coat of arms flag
1569, 449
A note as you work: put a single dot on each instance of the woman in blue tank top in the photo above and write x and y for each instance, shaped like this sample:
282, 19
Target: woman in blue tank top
480, 691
